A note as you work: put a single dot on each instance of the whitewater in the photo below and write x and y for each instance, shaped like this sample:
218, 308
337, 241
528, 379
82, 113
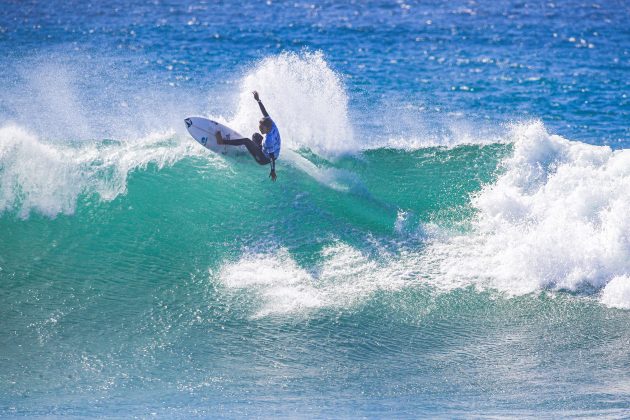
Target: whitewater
448, 235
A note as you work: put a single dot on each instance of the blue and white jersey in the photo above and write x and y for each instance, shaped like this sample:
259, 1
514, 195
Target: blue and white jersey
271, 142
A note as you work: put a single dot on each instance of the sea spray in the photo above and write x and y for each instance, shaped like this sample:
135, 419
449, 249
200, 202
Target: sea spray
63, 98
305, 97
308, 101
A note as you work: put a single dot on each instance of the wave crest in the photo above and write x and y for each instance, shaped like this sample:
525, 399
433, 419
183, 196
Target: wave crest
47, 178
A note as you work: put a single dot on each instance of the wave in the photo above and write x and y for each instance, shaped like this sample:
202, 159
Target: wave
554, 218
50, 160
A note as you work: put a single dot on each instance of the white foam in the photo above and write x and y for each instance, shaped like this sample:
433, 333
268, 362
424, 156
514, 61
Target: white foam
555, 219
344, 277
337, 179
48, 177
616, 294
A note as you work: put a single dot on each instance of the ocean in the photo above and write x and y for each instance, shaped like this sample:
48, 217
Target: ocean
448, 235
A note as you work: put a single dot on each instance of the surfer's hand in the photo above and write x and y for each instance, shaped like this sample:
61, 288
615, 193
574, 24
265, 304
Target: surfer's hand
256, 96
272, 175
217, 135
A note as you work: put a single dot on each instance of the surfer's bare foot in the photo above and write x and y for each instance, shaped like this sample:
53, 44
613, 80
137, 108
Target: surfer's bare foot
217, 135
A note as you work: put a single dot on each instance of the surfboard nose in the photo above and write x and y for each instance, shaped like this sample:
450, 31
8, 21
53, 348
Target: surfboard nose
188, 122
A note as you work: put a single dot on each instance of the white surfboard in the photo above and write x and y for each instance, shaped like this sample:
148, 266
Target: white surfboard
203, 130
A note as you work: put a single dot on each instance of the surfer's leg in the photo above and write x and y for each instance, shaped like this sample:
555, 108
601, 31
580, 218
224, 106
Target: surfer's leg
260, 156
253, 148
257, 153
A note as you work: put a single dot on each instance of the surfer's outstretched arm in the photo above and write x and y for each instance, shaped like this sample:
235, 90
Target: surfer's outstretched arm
260, 104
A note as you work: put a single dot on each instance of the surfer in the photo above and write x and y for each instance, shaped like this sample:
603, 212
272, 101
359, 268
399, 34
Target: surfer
264, 150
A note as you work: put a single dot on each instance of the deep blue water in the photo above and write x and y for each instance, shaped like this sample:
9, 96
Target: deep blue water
565, 63
448, 236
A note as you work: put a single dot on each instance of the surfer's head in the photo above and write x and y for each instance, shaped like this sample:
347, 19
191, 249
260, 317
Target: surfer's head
265, 124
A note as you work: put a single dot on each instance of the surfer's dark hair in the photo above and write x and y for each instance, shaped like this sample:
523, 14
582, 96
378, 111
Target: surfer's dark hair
266, 121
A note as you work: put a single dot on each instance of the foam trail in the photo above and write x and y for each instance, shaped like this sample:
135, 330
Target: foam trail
337, 179
345, 277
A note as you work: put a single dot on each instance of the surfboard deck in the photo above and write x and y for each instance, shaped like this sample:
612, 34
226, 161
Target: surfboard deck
203, 130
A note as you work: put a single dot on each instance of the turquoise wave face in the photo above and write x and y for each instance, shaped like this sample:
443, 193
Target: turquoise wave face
214, 211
